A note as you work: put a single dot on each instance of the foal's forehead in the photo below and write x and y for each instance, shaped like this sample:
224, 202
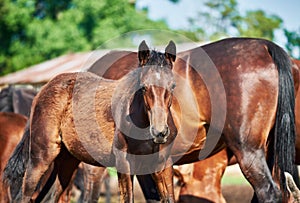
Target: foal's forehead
157, 71
157, 75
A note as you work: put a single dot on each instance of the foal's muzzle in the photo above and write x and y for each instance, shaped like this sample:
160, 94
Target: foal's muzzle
160, 134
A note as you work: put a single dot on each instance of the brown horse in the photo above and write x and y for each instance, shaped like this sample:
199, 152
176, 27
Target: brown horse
297, 114
10, 101
58, 125
247, 68
11, 131
208, 173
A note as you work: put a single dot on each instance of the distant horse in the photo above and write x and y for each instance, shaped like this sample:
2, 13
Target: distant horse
17, 100
256, 75
55, 131
201, 181
11, 131
90, 181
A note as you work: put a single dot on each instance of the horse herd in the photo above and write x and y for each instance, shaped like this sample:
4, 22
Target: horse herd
231, 101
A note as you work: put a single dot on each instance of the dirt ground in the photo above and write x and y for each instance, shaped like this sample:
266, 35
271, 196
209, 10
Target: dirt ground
237, 193
233, 193
234, 187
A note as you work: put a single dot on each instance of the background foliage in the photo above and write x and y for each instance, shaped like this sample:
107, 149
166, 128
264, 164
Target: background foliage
33, 31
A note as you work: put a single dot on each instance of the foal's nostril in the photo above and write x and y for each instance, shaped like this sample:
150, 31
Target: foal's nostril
165, 131
160, 133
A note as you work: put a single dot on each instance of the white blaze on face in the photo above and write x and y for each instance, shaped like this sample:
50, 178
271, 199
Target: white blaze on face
158, 113
157, 75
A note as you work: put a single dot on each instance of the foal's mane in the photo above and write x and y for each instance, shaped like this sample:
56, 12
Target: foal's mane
157, 58
130, 82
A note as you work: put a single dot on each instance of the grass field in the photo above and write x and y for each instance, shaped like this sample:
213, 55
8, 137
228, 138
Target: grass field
233, 176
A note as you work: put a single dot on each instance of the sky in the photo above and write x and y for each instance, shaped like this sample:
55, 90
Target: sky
177, 14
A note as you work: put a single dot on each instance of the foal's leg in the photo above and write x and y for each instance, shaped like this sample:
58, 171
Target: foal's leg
125, 180
164, 181
45, 146
125, 187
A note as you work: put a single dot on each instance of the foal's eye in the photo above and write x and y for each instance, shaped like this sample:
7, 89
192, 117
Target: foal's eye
173, 86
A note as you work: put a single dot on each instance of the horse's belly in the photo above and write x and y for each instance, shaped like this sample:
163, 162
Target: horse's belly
91, 152
89, 143
191, 146
191, 136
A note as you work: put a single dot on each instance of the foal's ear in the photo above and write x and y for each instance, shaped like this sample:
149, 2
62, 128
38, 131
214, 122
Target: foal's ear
144, 53
170, 51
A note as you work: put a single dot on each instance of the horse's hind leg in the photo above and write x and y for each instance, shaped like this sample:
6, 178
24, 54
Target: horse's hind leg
45, 146
254, 167
59, 185
67, 165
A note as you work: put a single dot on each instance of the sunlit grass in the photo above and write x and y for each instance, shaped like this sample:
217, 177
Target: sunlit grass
112, 171
233, 176
234, 180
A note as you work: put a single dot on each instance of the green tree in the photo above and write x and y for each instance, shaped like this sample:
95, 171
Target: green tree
37, 30
50, 8
258, 24
293, 43
216, 20
14, 19
222, 18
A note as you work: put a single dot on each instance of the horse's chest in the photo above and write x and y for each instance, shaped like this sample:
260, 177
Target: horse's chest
139, 147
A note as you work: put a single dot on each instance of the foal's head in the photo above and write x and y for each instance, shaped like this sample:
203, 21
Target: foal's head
157, 83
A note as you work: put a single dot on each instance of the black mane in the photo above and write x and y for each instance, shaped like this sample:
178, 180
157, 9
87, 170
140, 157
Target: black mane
157, 58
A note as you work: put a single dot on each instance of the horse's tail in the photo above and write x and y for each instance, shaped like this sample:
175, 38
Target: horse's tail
284, 131
15, 169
